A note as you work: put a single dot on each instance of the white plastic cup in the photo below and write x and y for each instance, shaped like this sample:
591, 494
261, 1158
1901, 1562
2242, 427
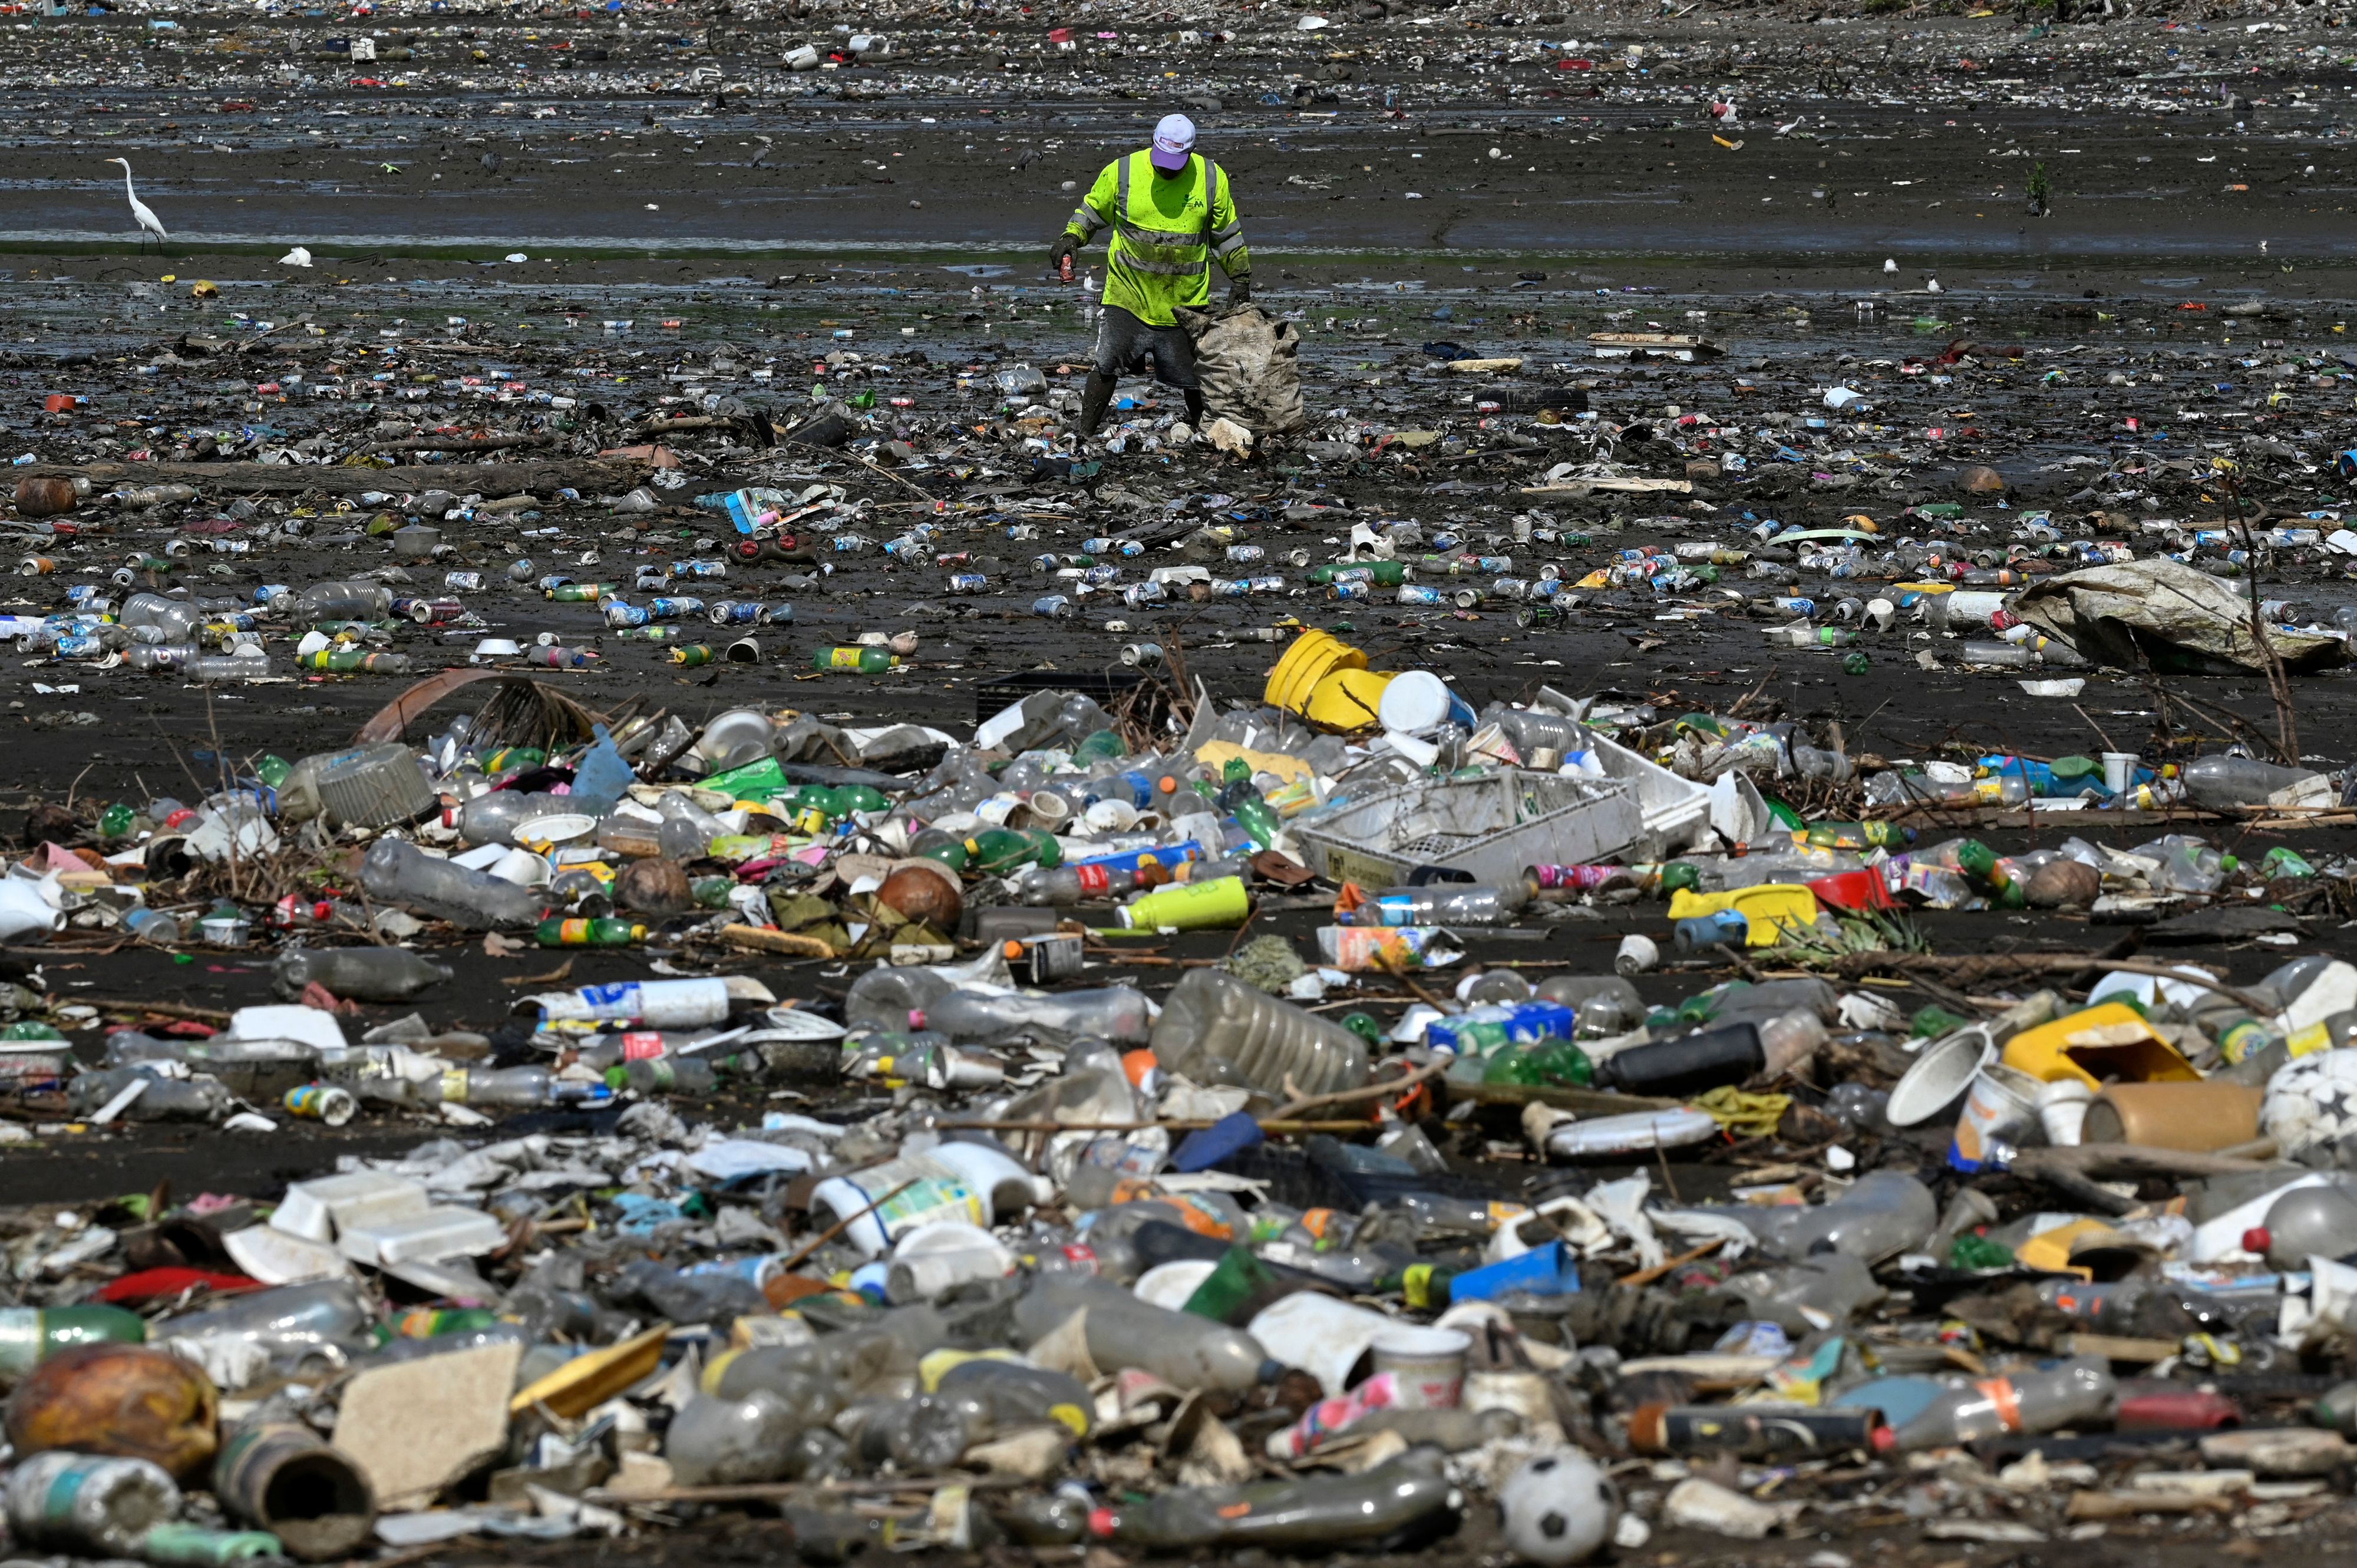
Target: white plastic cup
2062, 1110
1049, 810
2119, 769
1427, 1366
1637, 955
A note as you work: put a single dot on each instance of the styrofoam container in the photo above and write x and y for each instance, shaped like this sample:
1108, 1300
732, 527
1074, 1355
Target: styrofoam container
446, 1231
323, 1208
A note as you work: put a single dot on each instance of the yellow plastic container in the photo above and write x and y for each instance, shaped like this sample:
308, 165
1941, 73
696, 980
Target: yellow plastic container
1769, 908
1217, 905
584, 1384
1313, 656
1346, 700
2110, 1042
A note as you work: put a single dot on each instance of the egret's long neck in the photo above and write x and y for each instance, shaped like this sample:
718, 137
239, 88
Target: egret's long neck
127, 183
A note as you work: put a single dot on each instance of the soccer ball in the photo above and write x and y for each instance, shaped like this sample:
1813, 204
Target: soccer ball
2311, 1109
1559, 1508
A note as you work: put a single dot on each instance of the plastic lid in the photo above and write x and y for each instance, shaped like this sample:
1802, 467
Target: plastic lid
2257, 1238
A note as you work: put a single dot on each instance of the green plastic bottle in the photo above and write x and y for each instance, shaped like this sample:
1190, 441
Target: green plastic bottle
2281, 861
866, 660
1556, 1063
994, 851
1238, 1286
604, 933
1259, 819
1979, 863
116, 821
31, 1335
274, 771
1102, 746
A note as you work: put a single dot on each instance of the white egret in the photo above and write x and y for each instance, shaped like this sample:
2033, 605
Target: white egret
141, 213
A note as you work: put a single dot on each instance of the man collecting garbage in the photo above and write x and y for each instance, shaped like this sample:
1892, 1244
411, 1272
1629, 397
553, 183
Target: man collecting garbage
1171, 212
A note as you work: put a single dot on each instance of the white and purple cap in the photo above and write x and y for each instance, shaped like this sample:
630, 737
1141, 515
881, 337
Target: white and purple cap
1174, 139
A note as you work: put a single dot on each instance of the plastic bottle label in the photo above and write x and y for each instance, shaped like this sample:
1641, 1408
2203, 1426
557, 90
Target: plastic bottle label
639, 1045
1092, 879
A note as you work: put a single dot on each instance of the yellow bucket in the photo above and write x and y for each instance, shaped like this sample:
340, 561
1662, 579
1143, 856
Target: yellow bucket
1313, 656
1346, 700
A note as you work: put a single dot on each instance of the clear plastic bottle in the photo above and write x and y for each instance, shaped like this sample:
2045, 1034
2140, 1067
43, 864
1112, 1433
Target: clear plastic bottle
198, 1099
2188, 864
1448, 904
358, 974
343, 601
1401, 1502
2310, 1221
2222, 783
217, 669
147, 656
1106, 1011
717, 1442
687, 828
2078, 1391
1065, 886
1217, 1029
1884, 1214
397, 871
499, 1086
493, 817
1185, 1351
286, 1320
629, 836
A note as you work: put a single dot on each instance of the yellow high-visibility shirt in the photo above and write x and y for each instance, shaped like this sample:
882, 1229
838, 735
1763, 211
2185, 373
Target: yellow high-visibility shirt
1165, 232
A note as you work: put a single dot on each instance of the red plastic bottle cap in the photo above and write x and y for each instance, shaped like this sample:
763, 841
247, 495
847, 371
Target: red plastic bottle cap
1101, 1522
2256, 1240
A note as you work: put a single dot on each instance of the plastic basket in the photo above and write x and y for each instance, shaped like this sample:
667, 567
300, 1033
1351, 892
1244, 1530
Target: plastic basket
1489, 827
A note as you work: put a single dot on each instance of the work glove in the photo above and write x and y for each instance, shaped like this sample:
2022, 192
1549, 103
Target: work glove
1067, 244
1240, 290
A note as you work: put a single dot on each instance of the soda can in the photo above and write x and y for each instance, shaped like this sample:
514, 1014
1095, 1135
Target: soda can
1246, 554
1046, 563
1351, 589
1509, 588
1101, 576
1098, 546
968, 582
673, 609
618, 614
1537, 615
652, 578
1233, 589
1495, 565
1142, 655
701, 568
431, 612
462, 582
735, 612
1467, 599
1054, 607
1795, 607
1268, 584
1418, 593
1140, 594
